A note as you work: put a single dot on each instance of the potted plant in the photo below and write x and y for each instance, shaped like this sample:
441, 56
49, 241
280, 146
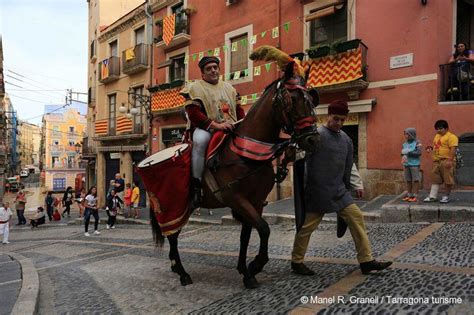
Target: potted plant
318, 51
340, 47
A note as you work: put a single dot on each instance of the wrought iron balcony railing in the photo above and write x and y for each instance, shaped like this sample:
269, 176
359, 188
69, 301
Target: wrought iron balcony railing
456, 82
109, 69
135, 59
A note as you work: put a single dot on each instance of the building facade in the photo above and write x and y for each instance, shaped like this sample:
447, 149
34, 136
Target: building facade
119, 73
30, 138
3, 128
63, 130
393, 78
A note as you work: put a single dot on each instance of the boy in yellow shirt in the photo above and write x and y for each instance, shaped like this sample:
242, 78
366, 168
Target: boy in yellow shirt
444, 148
135, 199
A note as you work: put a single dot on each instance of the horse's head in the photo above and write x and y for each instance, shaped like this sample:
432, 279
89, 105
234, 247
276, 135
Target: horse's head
293, 102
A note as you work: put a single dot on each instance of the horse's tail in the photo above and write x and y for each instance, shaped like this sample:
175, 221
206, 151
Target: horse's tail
155, 227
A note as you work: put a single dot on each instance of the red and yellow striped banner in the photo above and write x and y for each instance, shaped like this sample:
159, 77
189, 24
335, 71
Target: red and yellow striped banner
340, 68
168, 28
101, 127
124, 124
167, 99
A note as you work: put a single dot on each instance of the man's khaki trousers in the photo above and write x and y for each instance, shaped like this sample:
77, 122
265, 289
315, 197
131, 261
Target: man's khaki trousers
354, 218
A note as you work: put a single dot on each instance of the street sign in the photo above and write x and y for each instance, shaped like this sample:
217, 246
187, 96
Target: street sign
401, 61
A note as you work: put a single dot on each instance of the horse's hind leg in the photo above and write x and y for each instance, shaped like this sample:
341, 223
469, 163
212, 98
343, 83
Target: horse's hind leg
249, 280
176, 265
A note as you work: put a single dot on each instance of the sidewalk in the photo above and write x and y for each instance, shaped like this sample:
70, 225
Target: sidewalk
384, 208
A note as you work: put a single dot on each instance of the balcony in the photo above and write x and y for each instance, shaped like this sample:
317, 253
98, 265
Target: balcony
343, 71
136, 59
91, 97
181, 32
88, 150
109, 70
456, 82
124, 129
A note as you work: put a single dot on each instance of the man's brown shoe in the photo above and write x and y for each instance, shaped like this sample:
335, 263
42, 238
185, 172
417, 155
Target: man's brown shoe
369, 266
301, 269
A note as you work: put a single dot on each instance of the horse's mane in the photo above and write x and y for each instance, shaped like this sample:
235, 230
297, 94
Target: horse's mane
265, 92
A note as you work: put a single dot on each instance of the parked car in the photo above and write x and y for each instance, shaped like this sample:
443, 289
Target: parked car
14, 184
24, 173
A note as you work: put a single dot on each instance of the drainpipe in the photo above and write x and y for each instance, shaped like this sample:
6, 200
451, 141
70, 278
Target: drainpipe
150, 40
277, 74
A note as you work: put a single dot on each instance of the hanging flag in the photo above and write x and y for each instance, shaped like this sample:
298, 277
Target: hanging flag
217, 52
236, 75
129, 54
104, 69
168, 28
234, 47
244, 42
254, 96
225, 47
286, 26
201, 54
227, 76
275, 32
246, 72
243, 100
210, 52
257, 70
194, 57
186, 59
263, 34
253, 39
268, 66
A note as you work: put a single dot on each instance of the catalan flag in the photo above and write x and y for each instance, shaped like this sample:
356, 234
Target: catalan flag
168, 28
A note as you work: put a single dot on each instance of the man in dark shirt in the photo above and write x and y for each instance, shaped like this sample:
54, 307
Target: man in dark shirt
327, 189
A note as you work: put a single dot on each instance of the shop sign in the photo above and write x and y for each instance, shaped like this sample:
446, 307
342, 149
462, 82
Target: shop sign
172, 134
352, 119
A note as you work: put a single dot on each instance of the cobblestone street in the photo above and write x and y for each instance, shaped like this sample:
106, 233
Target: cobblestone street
120, 271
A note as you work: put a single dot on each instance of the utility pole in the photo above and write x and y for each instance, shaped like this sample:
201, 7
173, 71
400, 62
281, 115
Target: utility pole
69, 97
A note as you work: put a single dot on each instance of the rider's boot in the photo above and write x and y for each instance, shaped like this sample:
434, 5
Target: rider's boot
196, 187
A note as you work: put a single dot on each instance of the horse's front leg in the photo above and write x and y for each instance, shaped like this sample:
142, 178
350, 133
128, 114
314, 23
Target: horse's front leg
176, 265
261, 259
249, 280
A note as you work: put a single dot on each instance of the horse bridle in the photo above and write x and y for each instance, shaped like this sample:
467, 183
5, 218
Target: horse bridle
282, 101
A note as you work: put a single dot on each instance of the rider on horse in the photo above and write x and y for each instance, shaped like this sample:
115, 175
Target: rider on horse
210, 105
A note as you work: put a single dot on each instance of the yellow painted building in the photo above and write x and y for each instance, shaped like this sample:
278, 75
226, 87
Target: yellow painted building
30, 140
62, 144
119, 69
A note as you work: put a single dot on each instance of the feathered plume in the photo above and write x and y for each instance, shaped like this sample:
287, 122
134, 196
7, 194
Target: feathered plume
270, 53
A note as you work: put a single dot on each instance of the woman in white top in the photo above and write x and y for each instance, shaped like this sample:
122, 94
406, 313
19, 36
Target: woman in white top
91, 209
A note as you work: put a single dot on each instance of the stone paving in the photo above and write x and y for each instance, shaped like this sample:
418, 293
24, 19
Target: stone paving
121, 272
10, 282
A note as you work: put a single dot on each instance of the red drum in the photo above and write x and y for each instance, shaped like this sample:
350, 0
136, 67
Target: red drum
166, 175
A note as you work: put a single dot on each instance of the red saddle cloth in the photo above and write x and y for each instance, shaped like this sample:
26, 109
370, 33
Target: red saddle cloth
217, 140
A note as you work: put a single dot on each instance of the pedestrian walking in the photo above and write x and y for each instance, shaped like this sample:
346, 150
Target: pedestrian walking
39, 218
114, 203
127, 200
67, 201
327, 189
5, 221
119, 188
80, 198
48, 202
20, 202
91, 209
443, 152
136, 199
411, 153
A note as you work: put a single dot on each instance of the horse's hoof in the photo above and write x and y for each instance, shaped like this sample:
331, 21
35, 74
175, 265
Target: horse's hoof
251, 283
185, 280
256, 266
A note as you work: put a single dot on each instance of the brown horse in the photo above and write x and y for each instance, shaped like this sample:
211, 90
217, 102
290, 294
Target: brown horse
243, 183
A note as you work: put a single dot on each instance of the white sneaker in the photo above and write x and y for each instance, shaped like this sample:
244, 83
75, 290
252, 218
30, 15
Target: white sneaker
96, 232
87, 234
7, 242
113, 227
445, 199
108, 226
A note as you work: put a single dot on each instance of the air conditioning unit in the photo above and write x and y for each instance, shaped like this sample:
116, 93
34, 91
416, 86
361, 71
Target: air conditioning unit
229, 2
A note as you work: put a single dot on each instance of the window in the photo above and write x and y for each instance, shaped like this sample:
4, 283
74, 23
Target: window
465, 23
140, 35
177, 68
138, 118
112, 113
328, 29
71, 129
181, 19
238, 58
92, 49
113, 49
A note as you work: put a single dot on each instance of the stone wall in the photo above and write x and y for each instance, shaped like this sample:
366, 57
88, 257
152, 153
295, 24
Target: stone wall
383, 182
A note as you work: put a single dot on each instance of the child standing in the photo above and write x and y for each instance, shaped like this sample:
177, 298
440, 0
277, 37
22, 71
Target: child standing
411, 152
135, 199
5, 221
127, 199
113, 205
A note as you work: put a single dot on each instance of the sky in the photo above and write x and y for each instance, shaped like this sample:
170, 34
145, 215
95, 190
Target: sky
45, 50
